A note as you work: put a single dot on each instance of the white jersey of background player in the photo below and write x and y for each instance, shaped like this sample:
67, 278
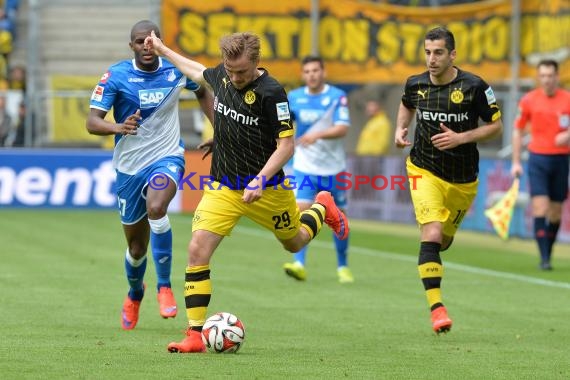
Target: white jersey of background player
320, 113
317, 113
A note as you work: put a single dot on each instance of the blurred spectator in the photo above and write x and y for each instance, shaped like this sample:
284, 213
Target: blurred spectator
17, 78
7, 133
8, 9
11, 7
7, 22
14, 93
20, 130
376, 135
7, 29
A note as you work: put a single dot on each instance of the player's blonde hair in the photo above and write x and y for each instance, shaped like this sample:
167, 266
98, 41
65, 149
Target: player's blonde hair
235, 45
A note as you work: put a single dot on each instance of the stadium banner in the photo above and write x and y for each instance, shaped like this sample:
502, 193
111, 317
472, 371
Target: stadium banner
69, 178
373, 201
366, 41
70, 108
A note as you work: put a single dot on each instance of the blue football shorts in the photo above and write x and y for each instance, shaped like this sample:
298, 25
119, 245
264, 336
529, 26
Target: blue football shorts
307, 186
131, 189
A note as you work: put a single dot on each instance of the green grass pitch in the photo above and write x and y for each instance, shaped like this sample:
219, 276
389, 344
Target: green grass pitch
62, 285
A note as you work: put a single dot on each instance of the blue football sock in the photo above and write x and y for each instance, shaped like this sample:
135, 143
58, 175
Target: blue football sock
300, 256
341, 251
135, 275
161, 245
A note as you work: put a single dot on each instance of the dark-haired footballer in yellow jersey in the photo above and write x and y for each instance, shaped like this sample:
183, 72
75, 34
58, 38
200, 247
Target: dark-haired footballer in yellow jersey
448, 104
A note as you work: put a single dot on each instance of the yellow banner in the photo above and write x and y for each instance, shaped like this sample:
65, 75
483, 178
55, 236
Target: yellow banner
70, 109
369, 42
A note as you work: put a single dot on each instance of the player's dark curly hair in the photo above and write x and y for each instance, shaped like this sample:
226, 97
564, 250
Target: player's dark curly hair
441, 33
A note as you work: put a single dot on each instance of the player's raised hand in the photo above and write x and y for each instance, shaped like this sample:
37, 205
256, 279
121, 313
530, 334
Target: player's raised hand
130, 125
447, 139
154, 44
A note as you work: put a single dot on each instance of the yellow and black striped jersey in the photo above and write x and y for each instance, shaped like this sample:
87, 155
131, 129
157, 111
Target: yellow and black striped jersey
458, 105
247, 123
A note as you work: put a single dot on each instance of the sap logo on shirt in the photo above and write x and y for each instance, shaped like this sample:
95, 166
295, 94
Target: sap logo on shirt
309, 116
152, 98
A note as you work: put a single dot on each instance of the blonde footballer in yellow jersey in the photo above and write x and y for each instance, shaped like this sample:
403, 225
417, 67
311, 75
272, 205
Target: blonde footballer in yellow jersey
253, 139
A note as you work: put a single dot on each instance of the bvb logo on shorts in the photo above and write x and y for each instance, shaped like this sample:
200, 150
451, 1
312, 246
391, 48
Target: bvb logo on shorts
457, 96
249, 97
423, 209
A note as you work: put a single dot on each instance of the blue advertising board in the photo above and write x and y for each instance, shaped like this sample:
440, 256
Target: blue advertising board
62, 178
57, 178
495, 179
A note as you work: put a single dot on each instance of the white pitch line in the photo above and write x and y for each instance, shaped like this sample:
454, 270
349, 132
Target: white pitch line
395, 256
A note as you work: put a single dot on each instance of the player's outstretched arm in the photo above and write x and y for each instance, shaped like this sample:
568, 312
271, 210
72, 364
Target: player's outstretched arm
192, 69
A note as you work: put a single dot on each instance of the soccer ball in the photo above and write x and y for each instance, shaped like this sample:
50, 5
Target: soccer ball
223, 333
